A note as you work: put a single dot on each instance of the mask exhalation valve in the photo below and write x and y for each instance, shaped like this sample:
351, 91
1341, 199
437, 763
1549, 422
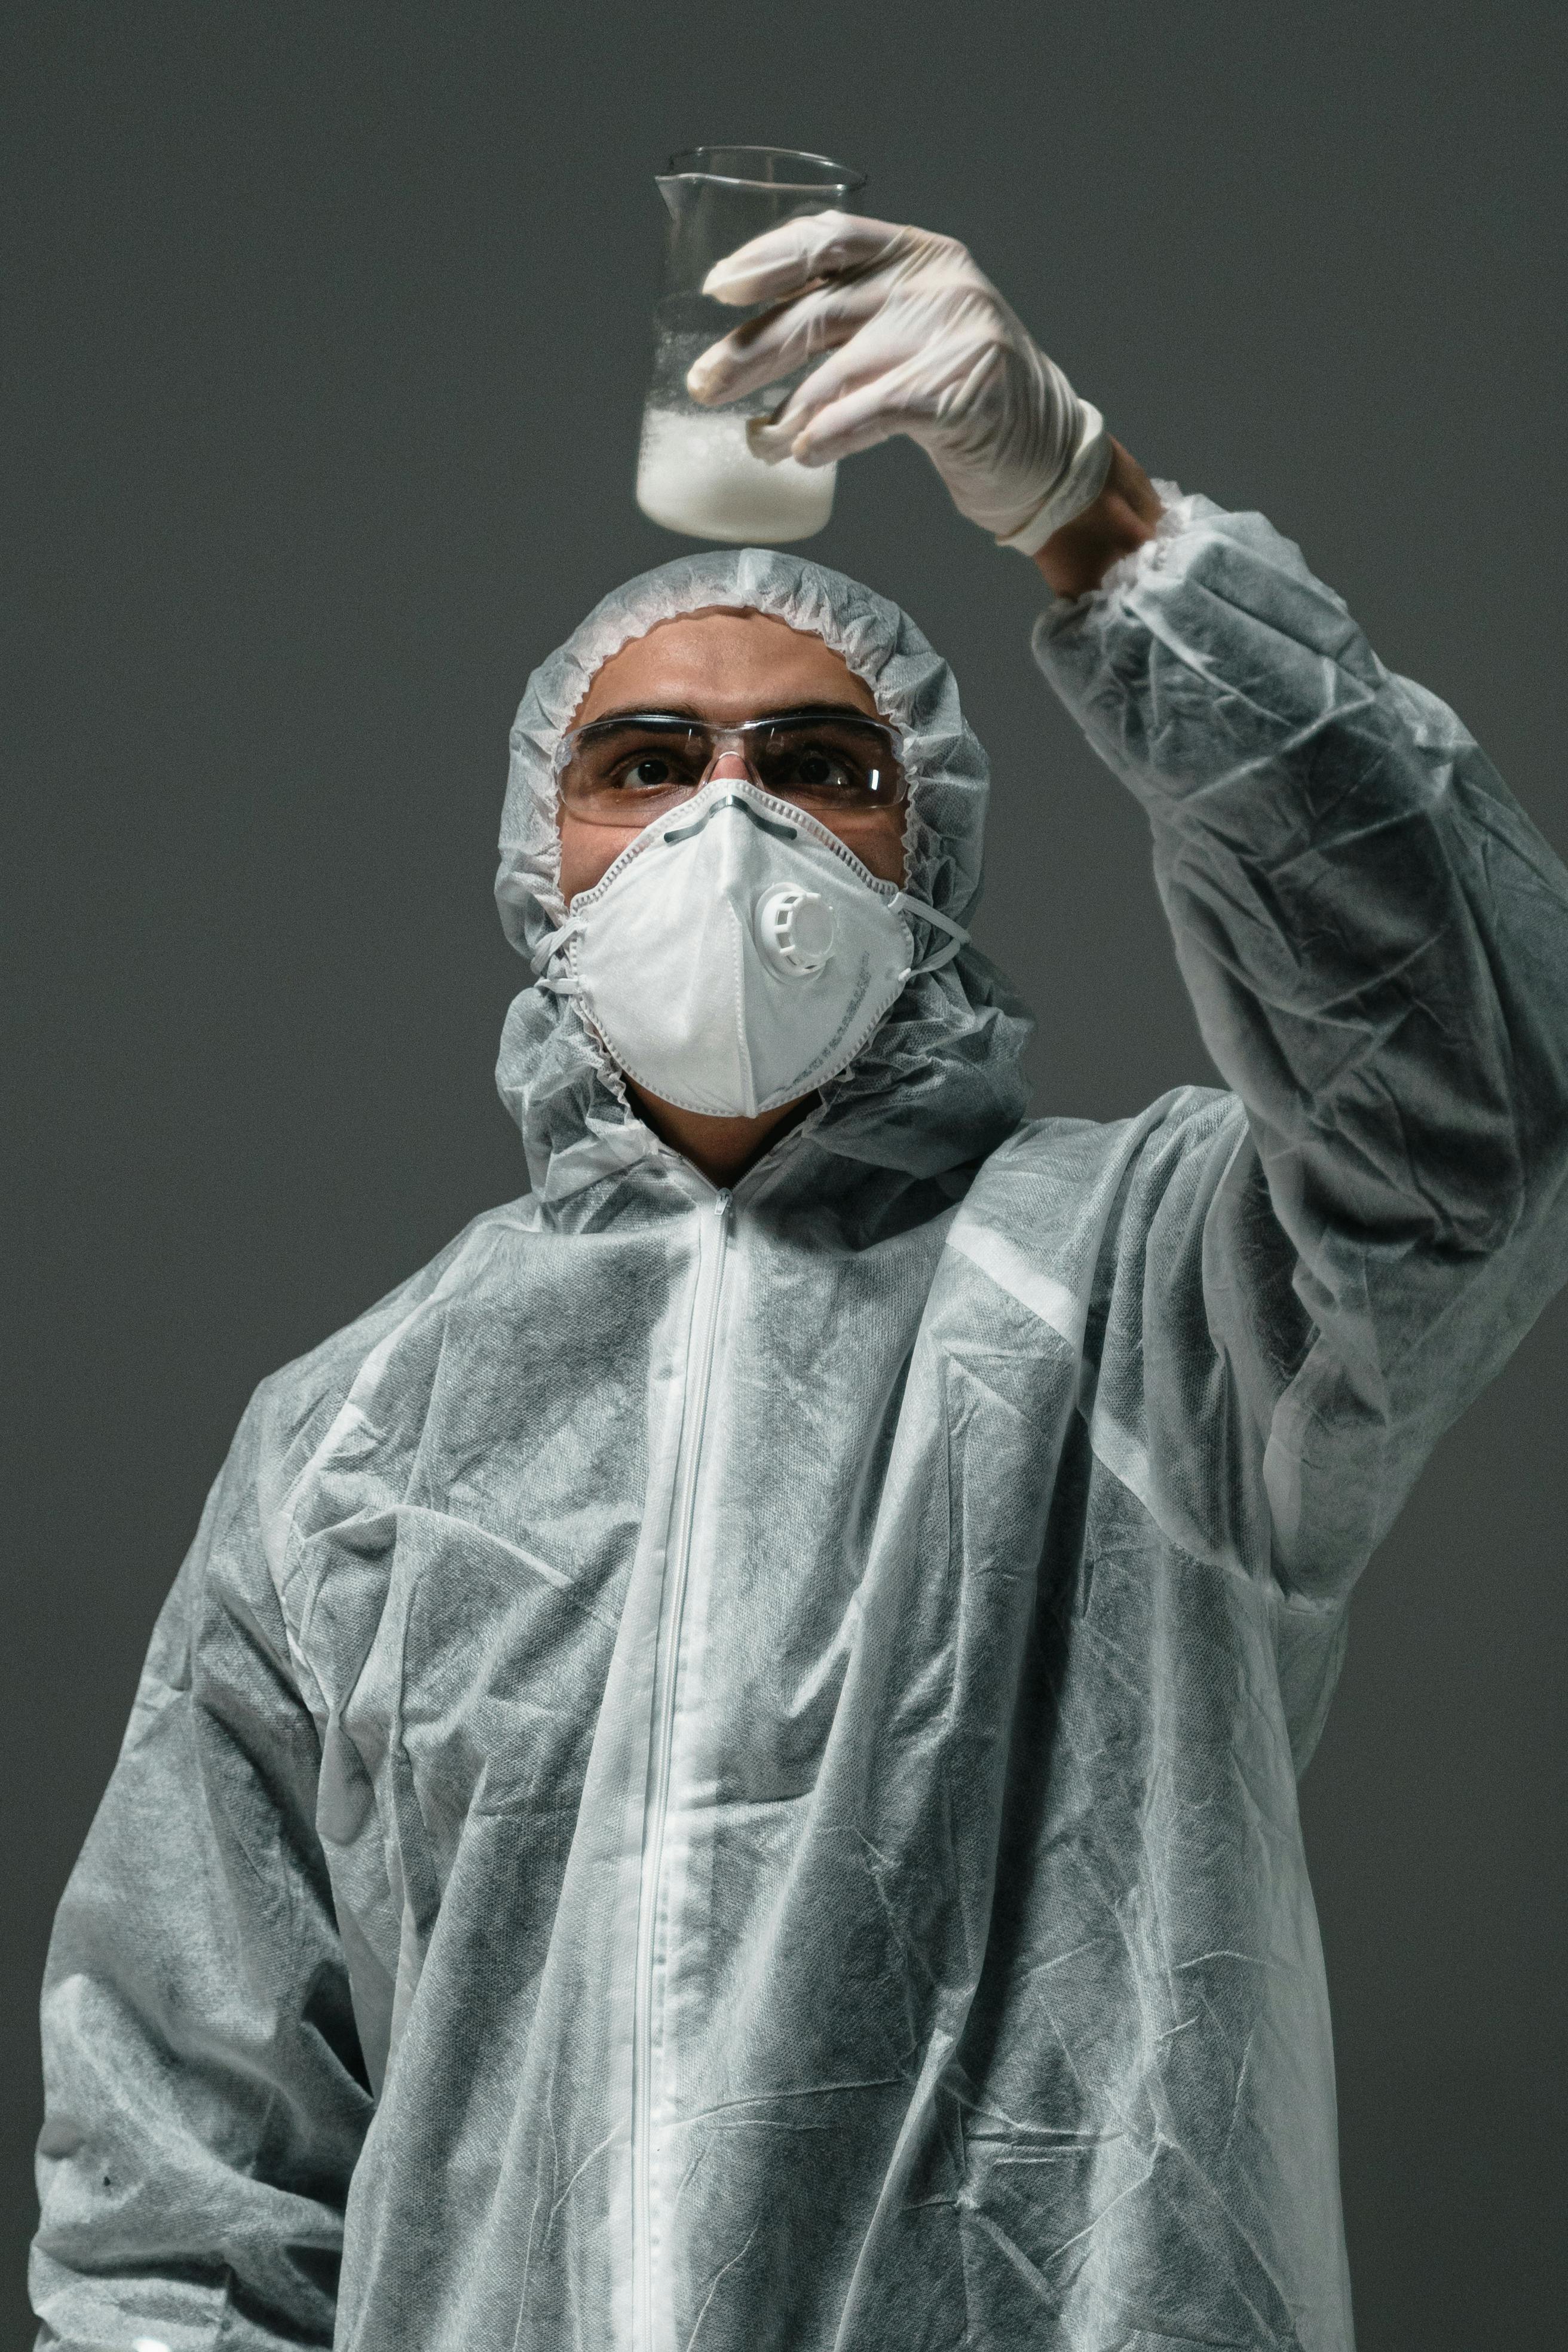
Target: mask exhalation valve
794, 931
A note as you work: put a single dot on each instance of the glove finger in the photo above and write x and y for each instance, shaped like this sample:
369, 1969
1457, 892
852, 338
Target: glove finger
892, 401
876, 424
781, 340
783, 259
855, 365
885, 360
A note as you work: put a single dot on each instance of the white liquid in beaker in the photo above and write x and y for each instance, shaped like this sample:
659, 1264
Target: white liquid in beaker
697, 475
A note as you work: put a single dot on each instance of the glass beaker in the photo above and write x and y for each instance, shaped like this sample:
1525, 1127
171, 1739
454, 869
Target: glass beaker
696, 471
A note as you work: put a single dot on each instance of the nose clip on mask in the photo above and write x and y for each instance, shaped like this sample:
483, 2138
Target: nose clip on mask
737, 954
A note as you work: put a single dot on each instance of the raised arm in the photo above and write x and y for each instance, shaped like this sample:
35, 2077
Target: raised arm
206, 2101
1375, 941
1375, 935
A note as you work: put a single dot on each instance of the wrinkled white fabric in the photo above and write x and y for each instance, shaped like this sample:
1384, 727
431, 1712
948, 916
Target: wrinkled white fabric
921, 343
720, 1775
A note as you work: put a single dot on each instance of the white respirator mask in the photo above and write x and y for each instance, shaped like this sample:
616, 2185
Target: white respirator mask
737, 954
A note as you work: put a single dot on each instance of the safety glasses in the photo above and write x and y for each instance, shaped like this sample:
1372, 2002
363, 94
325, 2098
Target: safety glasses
628, 769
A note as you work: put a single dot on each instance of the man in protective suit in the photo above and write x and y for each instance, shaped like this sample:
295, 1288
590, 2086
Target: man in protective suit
721, 1772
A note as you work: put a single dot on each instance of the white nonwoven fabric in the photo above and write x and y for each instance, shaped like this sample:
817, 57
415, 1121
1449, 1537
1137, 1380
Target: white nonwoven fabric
668, 956
720, 1777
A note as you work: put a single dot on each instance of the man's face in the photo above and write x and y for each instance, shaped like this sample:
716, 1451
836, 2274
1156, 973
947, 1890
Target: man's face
724, 667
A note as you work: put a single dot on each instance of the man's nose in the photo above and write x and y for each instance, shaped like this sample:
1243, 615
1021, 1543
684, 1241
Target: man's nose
728, 768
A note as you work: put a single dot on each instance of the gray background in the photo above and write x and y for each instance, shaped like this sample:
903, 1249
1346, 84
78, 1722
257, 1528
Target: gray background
327, 332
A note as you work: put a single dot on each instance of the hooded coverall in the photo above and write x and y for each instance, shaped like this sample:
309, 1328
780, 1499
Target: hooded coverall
720, 1775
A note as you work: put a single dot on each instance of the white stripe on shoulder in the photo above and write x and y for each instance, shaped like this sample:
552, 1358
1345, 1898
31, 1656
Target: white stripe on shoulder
1011, 1271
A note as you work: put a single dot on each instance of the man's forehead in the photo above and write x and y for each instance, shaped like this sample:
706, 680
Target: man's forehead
725, 664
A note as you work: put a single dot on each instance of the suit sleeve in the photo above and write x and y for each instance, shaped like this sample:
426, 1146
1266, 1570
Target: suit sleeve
1375, 941
205, 2099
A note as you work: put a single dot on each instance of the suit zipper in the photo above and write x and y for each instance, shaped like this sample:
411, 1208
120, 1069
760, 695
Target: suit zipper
713, 1244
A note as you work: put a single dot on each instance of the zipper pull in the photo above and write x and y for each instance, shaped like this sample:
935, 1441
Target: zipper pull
721, 1206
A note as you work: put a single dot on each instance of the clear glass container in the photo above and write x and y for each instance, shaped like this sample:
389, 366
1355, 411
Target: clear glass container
696, 471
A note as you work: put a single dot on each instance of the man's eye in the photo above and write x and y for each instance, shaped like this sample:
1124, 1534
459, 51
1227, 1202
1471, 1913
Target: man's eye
820, 772
647, 774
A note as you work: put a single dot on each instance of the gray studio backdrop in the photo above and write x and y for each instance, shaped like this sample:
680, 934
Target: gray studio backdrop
327, 334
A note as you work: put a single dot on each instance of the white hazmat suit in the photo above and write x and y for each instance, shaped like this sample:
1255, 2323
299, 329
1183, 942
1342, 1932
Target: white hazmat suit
721, 1774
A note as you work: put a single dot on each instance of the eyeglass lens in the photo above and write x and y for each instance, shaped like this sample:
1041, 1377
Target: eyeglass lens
625, 772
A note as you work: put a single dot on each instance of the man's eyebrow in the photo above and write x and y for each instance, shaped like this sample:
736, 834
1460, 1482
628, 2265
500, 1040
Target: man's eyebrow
647, 710
688, 710
827, 710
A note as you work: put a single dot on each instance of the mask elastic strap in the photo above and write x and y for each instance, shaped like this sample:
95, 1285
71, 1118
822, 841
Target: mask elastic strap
944, 954
559, 983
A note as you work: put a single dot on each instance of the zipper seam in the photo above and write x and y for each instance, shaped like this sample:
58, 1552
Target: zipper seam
661, 1745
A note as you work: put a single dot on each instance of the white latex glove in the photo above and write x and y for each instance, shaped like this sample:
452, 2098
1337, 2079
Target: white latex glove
921, 343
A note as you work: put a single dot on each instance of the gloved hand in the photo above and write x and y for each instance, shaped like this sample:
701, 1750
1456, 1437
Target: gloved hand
921, 343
